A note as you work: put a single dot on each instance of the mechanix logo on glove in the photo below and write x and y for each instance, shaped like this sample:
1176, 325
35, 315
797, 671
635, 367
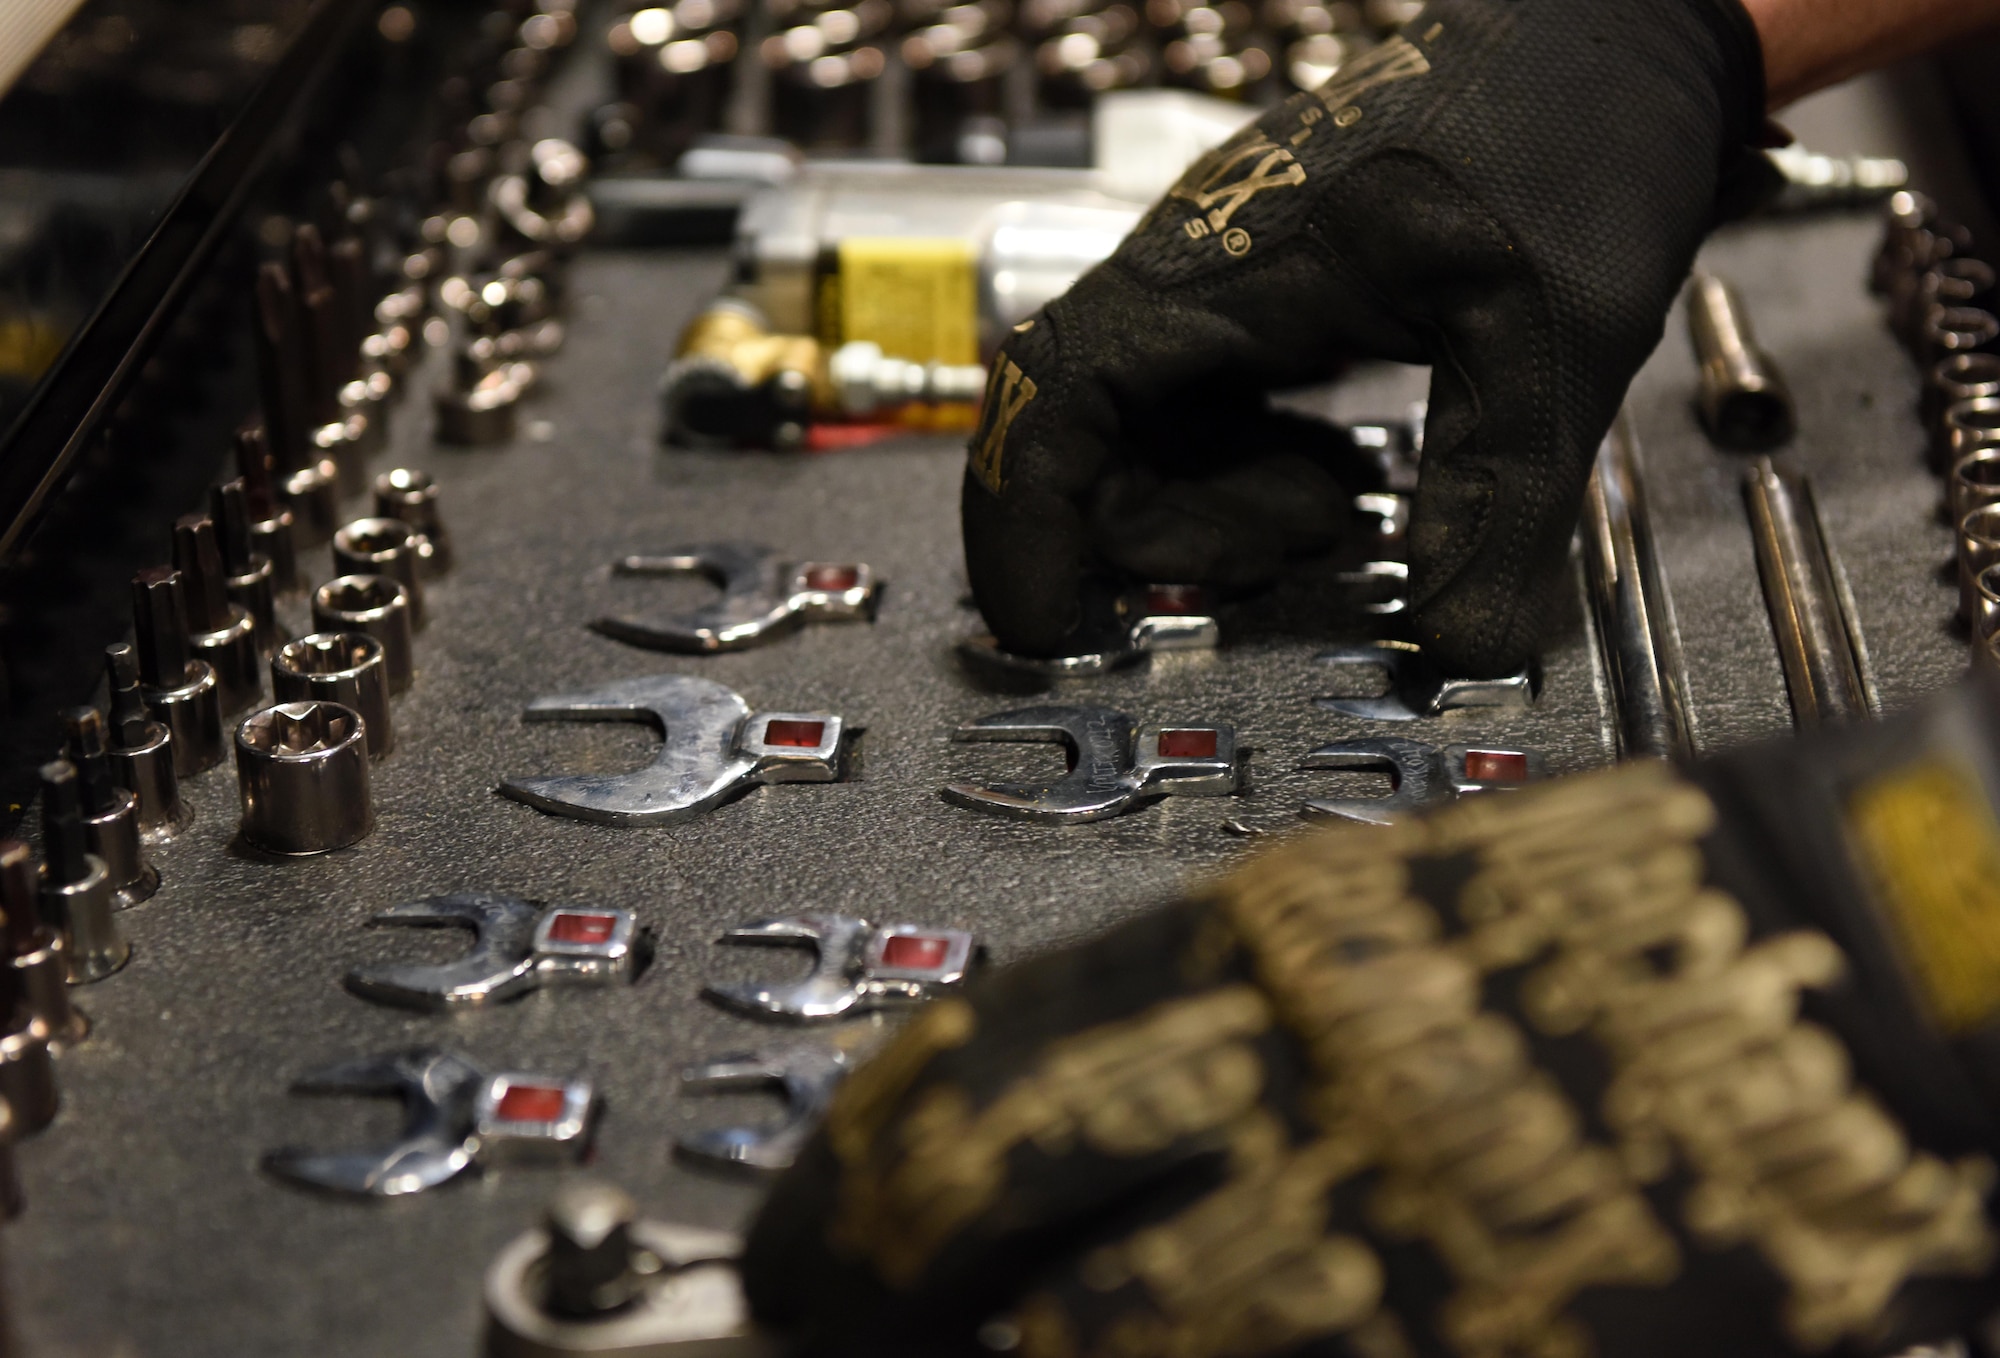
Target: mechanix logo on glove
1008, 391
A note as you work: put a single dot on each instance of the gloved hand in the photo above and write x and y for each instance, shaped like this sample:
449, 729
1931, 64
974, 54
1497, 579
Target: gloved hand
1512, 191
1641, 1064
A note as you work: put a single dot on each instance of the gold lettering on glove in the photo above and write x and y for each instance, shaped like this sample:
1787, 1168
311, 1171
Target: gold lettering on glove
1131, 1088
1396, 59
1226, 178
1008, 392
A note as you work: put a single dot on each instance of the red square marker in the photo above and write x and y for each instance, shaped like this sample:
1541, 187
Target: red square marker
832, 579
572, 927
1187, 744
531, 1103
1495, 766
914, 952
803, 735
1175, 600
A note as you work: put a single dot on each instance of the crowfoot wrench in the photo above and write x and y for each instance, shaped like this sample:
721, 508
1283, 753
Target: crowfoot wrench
1109, 772
713, 747
805, 1077
1416, 689
517, 946
457, 1116
1420, 775
1157, 618
861, 967
762, 598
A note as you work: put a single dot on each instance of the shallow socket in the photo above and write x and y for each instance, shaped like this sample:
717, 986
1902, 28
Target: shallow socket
381, 546
302, 769
375, 606
339, 667
192, 715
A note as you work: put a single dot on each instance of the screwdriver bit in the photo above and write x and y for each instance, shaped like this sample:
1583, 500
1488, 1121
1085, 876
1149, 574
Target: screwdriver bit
111, 814
183, 694
76, 888
280, 379
198, 558
159, 616
129, 718
142, 753
63, 836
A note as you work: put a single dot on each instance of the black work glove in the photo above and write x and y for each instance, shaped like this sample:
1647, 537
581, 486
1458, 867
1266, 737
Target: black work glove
1644, 1063
1511, 191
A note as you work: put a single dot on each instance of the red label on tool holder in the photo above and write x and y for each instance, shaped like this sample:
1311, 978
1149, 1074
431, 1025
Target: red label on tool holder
579, 927
914, 952
1496, 766
803, 735
532, 1103
832, 579
1187, 744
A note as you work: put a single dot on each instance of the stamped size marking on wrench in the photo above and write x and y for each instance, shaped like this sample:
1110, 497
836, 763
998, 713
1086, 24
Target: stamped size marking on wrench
1416, 690
1420, 775
762, 598
805, 1077
860, 967
517, 946
457, 1116
714, 747
1158, 618
1110, 773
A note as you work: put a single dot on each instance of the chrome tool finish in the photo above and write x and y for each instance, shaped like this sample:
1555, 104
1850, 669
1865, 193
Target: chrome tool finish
250, 579
142, 755
713, 746
1637, 635
1158, 618
302, 769
347, 668
1819, 642
763, 598
374, 606
1415, 690
1112, 770
1744, 402
457, 1116
412, 496
804, 1077
33, 951
598, 1279
387, 547
858, 968
179, 690
1420, 775
271, 523
76, 895
220, 632
110, 812
517, 946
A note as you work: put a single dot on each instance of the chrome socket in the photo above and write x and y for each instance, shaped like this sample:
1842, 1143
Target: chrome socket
347, 668
248, 575
231, 652
28, 1076
220, 632
1744, 402
412, 496
477, 407
302, 769
1949, 330
142, 752
192, 715
1952, 381
1978, 550
383, 547
110, 812
375, 606
1985, 616
313, 495
1974, 482
342, 445
33, 952
94, 946
275, 537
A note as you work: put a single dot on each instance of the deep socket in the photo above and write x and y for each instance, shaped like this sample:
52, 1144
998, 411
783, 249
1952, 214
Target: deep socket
375, 606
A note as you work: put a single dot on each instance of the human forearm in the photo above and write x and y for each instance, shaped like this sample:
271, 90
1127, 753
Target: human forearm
1810, 44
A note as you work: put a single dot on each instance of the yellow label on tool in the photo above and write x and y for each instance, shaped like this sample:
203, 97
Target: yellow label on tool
917, 298
1928, 837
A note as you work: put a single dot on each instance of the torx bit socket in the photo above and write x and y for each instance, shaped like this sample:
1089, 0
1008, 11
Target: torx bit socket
142, 753
251, 582
27, 1073
34, 950
281, 378
326, 366
219, 631
376, 606
180, 691
111, 814
302, 769
270, 520
339, 667
412, 496
383, 547
76, 888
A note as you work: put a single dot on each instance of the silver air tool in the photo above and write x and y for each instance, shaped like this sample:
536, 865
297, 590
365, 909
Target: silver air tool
33, 951
142, 750
220, 632
179, 690
110, 813
76, 888
247, 572
27, 1075
302, 769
